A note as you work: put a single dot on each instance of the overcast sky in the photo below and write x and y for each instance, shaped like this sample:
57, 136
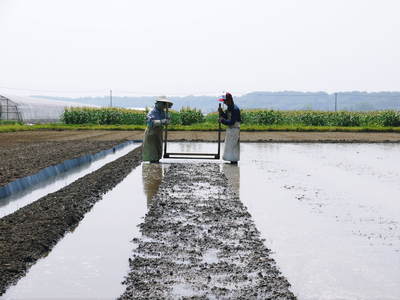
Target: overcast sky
178, 47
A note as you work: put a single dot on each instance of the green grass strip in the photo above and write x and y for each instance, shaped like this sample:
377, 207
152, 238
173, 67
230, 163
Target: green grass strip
198, 127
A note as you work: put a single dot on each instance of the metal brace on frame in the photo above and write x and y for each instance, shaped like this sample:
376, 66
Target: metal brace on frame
192, 155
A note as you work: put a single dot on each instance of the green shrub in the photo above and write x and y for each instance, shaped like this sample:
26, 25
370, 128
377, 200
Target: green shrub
103, 116
110, 116
175, 117
190, 116
9, 122
313, 118
211, 117
344, 118
390, 118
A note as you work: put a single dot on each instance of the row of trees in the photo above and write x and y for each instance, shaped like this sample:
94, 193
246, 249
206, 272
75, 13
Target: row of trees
286, 100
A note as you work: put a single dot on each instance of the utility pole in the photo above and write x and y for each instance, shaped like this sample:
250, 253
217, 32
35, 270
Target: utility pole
335, 101
110, 98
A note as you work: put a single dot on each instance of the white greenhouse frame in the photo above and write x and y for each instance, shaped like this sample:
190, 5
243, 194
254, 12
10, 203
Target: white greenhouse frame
33, 110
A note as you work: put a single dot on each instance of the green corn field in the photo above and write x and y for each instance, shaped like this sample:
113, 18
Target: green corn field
189, 116
387, 118
121, 116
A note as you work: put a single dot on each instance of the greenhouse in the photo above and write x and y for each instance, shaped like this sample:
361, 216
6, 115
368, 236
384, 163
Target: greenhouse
33, 110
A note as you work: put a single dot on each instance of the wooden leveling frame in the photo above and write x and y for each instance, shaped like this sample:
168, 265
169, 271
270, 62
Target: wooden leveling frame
192, 155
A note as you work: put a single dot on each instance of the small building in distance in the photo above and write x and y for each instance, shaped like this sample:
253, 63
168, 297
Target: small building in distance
33, 110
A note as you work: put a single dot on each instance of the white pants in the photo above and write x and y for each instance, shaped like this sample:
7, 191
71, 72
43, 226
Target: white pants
232, 144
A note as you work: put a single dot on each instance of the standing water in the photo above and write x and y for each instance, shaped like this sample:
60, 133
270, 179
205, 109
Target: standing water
91, 261
329, 212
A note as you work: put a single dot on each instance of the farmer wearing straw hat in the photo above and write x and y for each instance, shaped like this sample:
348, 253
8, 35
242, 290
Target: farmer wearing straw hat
153, 138
231, 118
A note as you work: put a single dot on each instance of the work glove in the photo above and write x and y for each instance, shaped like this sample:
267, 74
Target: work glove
157, 123
165, 121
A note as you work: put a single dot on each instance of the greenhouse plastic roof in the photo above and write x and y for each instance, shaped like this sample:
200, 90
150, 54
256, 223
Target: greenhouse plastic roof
43, 101
39, 110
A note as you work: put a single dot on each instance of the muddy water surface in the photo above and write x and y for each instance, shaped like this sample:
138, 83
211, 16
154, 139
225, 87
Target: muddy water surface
91, 261
330, 212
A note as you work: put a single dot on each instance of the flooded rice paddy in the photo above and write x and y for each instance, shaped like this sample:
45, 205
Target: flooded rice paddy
58, 179
90, 262
329, 212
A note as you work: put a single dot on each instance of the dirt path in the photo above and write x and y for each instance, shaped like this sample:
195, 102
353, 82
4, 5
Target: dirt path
9, 138
199, 242
291, 137
31, 232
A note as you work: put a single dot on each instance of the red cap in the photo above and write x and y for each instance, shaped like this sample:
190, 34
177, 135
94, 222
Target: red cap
222, 98
225, 96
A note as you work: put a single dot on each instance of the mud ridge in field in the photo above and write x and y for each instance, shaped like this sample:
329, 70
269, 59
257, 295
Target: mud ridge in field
199, 242
19, 160
30, 233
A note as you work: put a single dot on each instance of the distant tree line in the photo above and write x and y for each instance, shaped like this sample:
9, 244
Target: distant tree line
347, 101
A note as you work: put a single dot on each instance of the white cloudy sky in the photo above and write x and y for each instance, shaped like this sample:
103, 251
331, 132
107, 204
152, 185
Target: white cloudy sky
199, 47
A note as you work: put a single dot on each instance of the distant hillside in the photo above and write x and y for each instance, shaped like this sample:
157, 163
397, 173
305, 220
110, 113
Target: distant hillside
352, 101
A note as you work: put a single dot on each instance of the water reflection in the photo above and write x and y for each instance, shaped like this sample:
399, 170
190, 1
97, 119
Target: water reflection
152, 175
91, 262
348, 250
232, 172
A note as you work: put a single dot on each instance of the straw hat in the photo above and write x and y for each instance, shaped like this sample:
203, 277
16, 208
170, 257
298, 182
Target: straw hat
163, 99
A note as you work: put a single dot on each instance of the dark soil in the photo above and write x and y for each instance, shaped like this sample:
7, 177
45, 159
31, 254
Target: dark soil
24, 159
32, 231
199, 242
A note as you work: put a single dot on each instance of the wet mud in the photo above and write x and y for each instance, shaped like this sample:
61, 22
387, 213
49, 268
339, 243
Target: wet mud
199, 242
19, 160
30, 233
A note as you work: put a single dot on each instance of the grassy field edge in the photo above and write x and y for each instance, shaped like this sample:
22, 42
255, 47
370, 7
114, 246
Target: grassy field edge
198, 127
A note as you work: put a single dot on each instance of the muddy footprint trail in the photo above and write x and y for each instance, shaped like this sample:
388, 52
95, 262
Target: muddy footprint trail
199, 242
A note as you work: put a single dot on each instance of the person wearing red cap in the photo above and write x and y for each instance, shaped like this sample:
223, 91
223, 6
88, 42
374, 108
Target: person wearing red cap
231, 118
